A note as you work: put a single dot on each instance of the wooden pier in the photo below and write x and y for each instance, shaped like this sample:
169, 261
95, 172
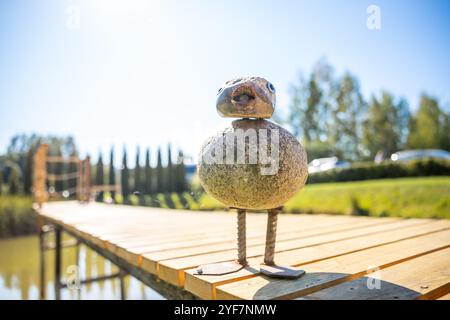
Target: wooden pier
344, 257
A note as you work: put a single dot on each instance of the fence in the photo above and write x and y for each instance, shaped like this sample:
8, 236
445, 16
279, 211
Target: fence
84, 190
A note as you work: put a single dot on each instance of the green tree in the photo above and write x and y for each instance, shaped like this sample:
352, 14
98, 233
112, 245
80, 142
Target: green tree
148, 173
160, 187
348, 114
1, 182
385, 128
320, 149
14, 182
304, 113
19, 152
430, 126
21, 143
112, 174
180, 185
28, 171
311, 104
99, 178
137, 173
125, 177
169, 170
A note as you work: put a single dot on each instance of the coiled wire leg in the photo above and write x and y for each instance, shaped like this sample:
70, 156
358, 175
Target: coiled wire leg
230, 266
271, 235
269, 268
241, 237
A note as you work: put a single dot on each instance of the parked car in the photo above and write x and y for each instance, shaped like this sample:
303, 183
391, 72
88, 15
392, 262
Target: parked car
419, 154
324, 164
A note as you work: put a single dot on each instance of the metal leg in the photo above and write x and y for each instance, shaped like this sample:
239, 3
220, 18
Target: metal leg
269, 268
42, 283
242, 247
58, 259
230, 266
122, 285
271, 234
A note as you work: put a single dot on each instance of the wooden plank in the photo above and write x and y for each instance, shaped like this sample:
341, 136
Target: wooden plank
204, 286
226, 241
214, 232
425, 277
88, 219
144, 236
167, 242
172, 270
90, 225
326, 273
209, 244
93, 214
445, 297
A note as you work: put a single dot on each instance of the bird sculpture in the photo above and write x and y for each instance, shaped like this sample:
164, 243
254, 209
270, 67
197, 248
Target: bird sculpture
254, 164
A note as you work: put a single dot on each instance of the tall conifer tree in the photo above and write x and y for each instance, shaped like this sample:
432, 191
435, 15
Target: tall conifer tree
159, 174
169, 170
99, 178
124, 177
180, 174
148, 173
112, 173
137, 173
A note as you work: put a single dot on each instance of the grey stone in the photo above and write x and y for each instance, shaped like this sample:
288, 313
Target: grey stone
243, 185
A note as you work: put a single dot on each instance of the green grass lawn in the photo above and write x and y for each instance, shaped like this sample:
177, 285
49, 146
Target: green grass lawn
425, 197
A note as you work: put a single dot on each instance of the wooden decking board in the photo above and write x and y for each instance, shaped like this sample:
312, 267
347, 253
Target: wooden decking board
326, 273
334, 250
204, 286
225, 233
445, 297
177, 249
172, 267
110, 231
217, 243
424, 277
120, 246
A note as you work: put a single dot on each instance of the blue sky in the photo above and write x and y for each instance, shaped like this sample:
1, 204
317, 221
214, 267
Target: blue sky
146, 73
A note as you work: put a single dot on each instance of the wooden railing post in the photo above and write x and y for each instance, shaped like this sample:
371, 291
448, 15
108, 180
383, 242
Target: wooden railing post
58, 262
40, 175
79, 188
42, 278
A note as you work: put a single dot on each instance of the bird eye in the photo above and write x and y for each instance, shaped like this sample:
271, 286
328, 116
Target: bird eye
218, 91
270, 87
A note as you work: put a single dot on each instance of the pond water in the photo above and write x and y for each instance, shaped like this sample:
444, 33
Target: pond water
19, 273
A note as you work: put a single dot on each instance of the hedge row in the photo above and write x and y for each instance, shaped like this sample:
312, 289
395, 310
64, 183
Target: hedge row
370, 171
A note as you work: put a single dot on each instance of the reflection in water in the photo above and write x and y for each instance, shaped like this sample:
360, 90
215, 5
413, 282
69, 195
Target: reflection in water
19, 273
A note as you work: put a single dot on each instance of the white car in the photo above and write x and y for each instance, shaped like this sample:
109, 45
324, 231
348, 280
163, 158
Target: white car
324, 164
408, 155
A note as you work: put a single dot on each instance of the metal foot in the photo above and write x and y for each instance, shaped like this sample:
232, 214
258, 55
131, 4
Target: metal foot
281, 272
220, 268
269, 268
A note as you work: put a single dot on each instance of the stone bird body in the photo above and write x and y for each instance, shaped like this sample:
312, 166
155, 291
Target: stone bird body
253, 164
